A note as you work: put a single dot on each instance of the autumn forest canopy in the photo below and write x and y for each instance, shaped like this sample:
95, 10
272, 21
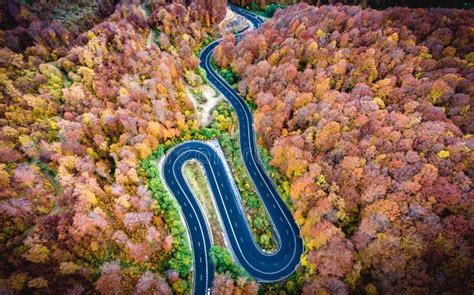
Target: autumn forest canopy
364, 114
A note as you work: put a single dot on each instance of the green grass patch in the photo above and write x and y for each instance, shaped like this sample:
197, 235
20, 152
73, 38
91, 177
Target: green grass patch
196, 178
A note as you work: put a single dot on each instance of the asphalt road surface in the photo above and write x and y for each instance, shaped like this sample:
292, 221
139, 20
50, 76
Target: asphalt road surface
263, 267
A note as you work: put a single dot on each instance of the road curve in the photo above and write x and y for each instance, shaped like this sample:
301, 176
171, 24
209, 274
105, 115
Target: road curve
263, 267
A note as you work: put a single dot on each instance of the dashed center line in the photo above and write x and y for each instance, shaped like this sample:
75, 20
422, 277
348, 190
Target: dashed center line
242, 251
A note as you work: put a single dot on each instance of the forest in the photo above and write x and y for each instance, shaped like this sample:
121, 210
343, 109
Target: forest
82, 112
369, 114
364, 119
270, 5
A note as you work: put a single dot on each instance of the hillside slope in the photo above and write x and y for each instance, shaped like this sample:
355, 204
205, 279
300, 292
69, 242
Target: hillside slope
78, 118
370, 115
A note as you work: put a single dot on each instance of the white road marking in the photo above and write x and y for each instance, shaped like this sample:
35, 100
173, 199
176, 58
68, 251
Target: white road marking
233, 95
251, 154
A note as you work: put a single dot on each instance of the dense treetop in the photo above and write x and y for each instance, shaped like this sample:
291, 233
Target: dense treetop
78, 116
369, 114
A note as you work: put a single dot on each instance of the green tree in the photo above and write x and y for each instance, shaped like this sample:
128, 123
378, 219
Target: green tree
223, 262
272, 8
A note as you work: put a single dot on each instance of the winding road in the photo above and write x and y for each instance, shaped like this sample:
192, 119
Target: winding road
263, 267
